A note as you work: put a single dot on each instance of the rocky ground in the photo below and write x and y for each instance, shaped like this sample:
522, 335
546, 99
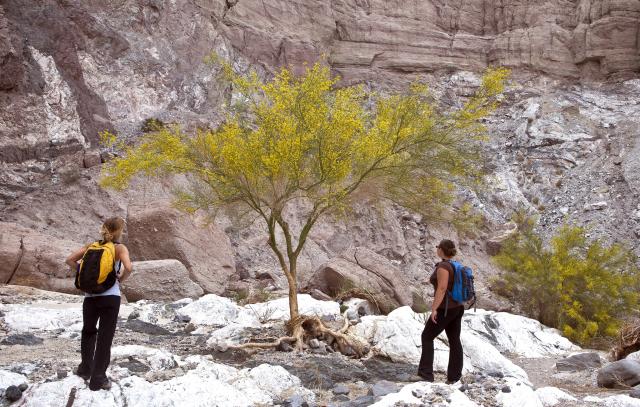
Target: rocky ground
178, 351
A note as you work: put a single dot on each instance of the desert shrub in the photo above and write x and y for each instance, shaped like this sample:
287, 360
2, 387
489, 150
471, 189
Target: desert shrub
584, 288
152, 124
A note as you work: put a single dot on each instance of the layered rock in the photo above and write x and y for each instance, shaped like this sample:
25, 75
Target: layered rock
361, 272
160, 232
35, 259
160, 280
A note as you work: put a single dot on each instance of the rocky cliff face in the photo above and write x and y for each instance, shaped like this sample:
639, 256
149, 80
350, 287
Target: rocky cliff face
565, 143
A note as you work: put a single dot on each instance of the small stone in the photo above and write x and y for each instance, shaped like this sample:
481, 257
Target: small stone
284, 347
27, 339
596, 206
497, 374
382, 388
295, 401
13, 393
635, 393
417, 393
61, 374
23, 387
91, 158
463, 388
133, 315
340, 389
189, 328
314, 343
506, 389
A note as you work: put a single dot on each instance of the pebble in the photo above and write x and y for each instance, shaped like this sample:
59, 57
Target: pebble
340, 389
506, 389
295, 401
635, 393
13, 393
61, 374
23, 387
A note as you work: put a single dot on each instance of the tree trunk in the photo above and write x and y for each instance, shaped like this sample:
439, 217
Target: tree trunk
293, 293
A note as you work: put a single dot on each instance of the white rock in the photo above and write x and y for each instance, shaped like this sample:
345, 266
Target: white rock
621, 400
358, 306
405, 395
550, 396
217, 311
516, 334
10, 379
43, 317
634, 356
595, 206
157, 358
204, 384
521, 395
481, 355
231, 334
278, 310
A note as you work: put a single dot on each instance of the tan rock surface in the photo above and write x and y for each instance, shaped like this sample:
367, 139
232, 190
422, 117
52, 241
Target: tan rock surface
160, 280
159, 232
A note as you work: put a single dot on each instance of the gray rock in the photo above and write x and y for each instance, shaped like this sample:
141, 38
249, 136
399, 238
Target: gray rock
496, 373
295, 401
579, 362
285, 347
620, 374
362, 401
382, 388
27, 339
340, 389
138, 325
160, 280
314, 343
23, 387
506, 389
635, 393
13, 393
91, 158
61, 374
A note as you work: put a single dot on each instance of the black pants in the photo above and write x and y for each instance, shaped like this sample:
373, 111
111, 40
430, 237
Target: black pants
452, 326
95, 345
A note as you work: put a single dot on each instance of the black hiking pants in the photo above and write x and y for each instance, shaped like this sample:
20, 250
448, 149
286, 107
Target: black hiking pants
451, 324
95, 345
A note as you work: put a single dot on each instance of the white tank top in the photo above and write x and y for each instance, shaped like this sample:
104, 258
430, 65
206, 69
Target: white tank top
115, 290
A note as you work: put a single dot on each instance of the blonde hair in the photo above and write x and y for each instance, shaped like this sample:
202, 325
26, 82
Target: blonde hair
111, 228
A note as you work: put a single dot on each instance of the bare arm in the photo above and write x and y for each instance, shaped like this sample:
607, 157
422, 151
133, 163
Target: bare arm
122, 254
72, 260
443, 282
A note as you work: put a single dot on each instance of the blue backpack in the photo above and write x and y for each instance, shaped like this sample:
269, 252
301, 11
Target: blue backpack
462, 291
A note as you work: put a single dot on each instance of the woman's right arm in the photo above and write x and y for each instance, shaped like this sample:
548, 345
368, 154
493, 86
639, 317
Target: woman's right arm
123, 256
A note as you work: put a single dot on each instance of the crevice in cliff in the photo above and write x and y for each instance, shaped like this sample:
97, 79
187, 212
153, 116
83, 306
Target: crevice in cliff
19, 262
228, 5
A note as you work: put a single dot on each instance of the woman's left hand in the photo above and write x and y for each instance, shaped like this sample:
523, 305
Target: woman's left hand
434, 316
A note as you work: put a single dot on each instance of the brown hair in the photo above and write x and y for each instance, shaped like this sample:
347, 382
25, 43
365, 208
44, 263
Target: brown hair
111, 228
448, 248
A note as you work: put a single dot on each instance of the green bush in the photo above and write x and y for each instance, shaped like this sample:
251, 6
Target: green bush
581, 287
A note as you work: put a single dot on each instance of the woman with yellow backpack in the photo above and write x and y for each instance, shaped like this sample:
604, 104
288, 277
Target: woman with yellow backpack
99, 271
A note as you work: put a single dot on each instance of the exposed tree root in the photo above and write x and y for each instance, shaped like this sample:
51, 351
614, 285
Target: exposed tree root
304, 328
628, 340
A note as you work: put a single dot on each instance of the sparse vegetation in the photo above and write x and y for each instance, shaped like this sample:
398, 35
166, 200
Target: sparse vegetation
152, 124
584, 288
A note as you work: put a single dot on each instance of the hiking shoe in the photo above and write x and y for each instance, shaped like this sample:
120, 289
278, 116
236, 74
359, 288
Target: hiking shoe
425, 378
85, 375
102, 385
452, 381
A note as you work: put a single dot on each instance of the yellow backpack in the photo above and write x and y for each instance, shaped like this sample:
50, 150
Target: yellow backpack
96, 272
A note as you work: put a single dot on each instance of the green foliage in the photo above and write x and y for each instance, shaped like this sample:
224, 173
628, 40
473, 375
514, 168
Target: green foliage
582, 287
467, 221
152, 124
305, 139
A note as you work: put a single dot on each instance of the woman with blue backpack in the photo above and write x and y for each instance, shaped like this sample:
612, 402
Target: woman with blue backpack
450, 280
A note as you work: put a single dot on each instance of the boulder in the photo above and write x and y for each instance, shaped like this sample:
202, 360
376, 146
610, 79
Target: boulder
494, 243
550, 396
579, 362
620, 374
91, 158
421, 393
35, 259
160, 280
359, 272
161, 232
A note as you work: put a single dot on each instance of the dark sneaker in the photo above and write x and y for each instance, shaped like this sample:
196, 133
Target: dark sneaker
102, 385
425, 378
84, 374
452, 381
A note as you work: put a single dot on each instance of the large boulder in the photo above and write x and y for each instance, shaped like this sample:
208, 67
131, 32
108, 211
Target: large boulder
160, 280
161, 232
35, 259
620, 374
579, 362
359, 272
